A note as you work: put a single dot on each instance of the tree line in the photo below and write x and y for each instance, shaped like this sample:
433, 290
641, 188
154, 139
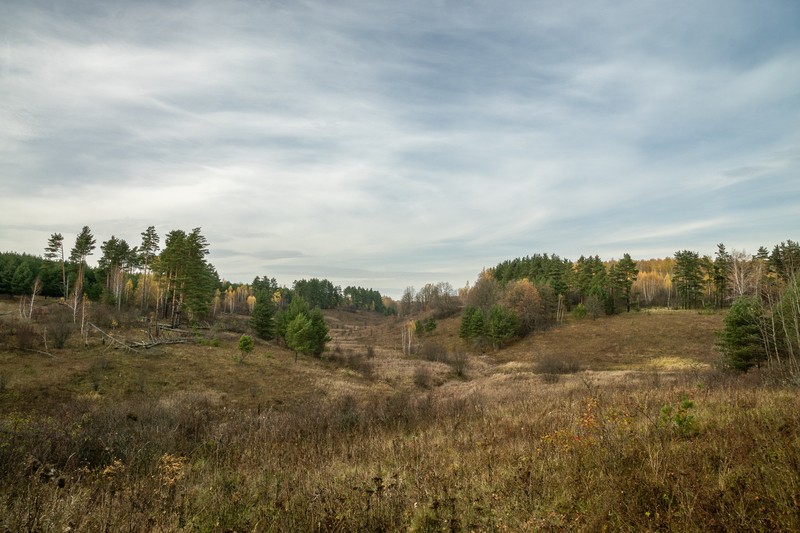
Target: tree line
172, 281
520, 296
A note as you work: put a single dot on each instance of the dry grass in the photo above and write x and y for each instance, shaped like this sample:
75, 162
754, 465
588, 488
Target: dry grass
187, 439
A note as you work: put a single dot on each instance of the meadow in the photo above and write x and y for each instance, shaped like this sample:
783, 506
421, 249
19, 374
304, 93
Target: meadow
624, 423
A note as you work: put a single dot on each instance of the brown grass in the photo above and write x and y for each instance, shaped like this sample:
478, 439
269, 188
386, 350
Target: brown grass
647, 437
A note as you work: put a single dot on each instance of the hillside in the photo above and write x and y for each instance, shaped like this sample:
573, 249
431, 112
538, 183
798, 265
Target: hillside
638, 431
364, 357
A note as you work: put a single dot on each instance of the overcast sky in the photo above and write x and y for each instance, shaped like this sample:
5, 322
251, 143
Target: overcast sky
387, 144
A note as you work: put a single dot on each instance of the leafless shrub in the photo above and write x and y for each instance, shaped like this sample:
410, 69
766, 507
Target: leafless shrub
551, 378
59, 328
360, 364
422, 376
350, 359
347, 413
26, 336
432, 351
458, 361
6, 331
557, 364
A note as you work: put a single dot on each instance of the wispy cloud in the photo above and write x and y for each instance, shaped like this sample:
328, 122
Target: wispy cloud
390, 142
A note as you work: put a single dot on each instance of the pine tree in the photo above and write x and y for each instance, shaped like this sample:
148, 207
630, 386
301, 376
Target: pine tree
740, 341
472, 324
687, 277
299, 336
262, 319
503, 326
84, 246
55, 251
319, 332
147, 252
298, 306
622, 277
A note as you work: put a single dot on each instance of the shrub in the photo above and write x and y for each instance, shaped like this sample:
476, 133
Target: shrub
359, 364
579, 312
422, 376
594, 306
246, 346
59, 328
677, 418
459, 362
432, 351
26, 336
555, 365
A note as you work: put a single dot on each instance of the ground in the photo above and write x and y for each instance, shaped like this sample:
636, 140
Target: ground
640, 431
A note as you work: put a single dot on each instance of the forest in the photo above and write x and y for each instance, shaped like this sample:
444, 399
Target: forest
513, 299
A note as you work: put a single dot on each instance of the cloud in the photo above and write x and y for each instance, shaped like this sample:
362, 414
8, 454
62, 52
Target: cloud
401, 141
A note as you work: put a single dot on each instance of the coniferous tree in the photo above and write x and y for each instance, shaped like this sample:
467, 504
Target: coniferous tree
319, 332
147, 253
472, 324
721, 274
55, 251
622, 277
262, 318
503, 326
741, 340
22, 279
299, 337
687, 277
84, 246
189, 280
200, 278
298, 306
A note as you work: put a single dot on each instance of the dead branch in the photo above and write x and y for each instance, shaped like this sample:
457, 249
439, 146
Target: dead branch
38, 351
112, 339
167, 327
153, 344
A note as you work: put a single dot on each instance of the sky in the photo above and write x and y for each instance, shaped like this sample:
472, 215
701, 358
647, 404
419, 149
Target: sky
389, 144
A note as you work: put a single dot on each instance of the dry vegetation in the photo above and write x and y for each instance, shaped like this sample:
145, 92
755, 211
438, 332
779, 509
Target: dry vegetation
622, 423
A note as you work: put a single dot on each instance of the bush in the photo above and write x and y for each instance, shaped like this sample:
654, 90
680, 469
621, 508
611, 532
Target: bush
59, 328
459, 362
422, 376
432, 351
555, 365
26, 336
594, 306
360, 364
246, 346
579, 312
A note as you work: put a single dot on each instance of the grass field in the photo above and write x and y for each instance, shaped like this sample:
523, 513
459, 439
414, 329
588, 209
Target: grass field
639, 431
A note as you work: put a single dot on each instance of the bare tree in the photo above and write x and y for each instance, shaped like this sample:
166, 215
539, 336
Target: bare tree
741, 274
